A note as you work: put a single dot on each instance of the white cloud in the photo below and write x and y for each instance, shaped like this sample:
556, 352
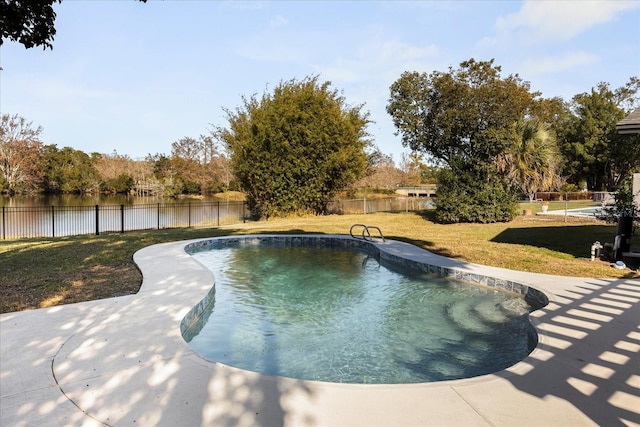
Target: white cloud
274, 50
246, 5
564, 19
278, 21
368, 72
376, 65
401, 53
556, 64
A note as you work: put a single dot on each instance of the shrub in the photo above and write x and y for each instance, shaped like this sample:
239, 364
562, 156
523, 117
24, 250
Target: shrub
473, 196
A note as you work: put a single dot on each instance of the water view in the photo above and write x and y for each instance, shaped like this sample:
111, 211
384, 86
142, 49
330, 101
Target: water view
56, 216
95, 199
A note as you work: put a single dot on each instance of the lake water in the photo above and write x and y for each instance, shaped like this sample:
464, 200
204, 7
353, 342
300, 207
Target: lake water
68, 215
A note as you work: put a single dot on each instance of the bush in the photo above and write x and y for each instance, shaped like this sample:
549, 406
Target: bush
122, 184
473, 196
294, 149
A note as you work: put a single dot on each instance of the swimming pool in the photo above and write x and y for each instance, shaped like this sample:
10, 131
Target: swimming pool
333, 310
592, 212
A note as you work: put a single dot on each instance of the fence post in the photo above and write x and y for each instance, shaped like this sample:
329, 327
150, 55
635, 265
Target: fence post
158, 216
218, 216
4, 226
97, 220
53, 221
189, 214
121, 219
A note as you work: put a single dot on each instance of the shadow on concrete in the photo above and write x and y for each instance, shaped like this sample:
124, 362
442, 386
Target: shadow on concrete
123, 361
589, 352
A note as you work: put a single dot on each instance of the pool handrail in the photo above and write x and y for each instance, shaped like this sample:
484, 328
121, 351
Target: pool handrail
365, 229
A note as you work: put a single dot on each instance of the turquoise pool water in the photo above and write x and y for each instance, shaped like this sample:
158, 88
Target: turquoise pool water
341, 316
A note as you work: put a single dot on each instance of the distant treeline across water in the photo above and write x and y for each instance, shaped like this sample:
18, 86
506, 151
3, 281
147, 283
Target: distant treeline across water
95, 199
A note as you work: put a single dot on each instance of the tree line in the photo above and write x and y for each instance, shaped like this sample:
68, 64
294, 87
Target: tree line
487, 139
497, 139
28, 166
196, 166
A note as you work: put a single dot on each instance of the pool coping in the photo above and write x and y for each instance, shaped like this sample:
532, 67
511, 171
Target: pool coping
122, 361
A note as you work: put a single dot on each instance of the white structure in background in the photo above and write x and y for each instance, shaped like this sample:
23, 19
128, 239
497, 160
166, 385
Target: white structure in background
631, 125
622, 245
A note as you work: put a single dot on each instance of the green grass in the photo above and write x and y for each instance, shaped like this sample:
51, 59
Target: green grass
536, 207
45, 272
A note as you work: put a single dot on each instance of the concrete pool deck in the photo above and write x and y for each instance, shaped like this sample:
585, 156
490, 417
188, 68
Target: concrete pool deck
123, 362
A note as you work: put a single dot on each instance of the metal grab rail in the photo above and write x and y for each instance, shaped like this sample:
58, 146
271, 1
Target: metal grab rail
365, 229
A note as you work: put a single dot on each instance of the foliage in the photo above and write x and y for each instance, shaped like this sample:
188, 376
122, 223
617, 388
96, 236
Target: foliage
624, 200
413, 168
532, 162
461, 116
199, 165
381, 173
555, 113
121, 184
594, 149
20, 152
464, 119
119, 173
29, 22
473, 196
292, 150
624, 196
69, 171
161, 165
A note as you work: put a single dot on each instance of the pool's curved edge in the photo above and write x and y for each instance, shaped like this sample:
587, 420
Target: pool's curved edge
193, 316
391, 251
394, 252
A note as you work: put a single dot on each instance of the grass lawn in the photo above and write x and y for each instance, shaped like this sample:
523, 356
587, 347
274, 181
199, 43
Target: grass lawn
45, 272
536, 207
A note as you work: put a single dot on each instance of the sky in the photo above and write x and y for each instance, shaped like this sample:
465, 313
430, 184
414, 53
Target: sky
134, 77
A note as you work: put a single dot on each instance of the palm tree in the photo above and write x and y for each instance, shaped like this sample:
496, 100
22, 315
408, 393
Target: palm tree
533, 162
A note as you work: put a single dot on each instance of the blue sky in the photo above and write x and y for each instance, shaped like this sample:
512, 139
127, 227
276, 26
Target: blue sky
135, 77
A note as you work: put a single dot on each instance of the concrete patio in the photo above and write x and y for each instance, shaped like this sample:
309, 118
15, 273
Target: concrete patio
123, 362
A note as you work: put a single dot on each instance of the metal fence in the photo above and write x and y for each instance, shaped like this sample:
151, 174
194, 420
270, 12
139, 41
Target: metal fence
59, 221
389, 204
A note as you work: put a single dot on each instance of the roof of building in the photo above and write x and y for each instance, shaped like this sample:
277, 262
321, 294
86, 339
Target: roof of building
630, 124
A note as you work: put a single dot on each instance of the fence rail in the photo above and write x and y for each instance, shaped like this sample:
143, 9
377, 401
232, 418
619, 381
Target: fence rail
60, 221
388, 204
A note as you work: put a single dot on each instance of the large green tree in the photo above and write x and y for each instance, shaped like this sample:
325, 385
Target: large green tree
464, 119
294, 149
595, 151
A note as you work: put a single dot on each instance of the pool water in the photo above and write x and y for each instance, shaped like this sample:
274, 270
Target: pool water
340, 316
